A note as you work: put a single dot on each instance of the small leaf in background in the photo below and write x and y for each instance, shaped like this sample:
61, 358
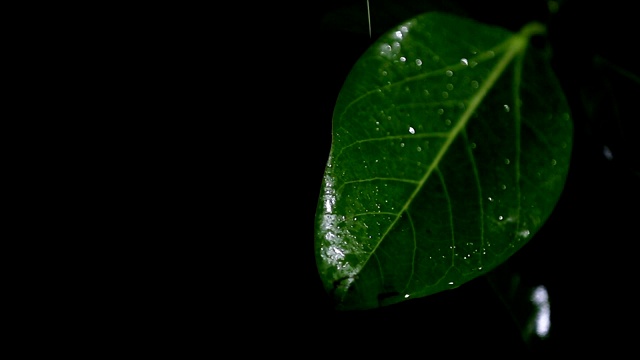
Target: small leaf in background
451, 144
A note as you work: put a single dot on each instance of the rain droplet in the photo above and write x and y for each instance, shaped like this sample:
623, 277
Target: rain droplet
449, 73
418, 62
403, 59
440, 111
419, 149
449, 86
500, 218
401, 144
385, 49
464, 61
553, 162
474, 84
445, 94
412, 130
448, 122
507, 161
506, 108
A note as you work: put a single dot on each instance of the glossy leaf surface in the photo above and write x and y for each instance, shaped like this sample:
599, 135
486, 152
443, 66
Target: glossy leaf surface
450, 147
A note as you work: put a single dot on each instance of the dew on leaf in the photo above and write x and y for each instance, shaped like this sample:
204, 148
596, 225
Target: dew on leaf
385, 50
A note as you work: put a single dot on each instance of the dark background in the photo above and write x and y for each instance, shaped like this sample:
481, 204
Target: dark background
256, 85
192, 170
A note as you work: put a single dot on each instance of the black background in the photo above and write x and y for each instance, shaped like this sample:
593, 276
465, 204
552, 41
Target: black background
204, 131
260, 94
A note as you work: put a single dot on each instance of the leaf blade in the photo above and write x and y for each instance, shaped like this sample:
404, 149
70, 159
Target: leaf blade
402, 213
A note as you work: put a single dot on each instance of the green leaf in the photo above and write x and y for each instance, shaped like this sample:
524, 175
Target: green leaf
451, 143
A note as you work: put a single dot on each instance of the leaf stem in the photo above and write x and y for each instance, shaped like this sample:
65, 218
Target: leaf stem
532, 29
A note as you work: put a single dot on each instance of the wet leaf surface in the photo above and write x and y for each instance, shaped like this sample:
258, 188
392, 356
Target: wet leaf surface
450, 147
